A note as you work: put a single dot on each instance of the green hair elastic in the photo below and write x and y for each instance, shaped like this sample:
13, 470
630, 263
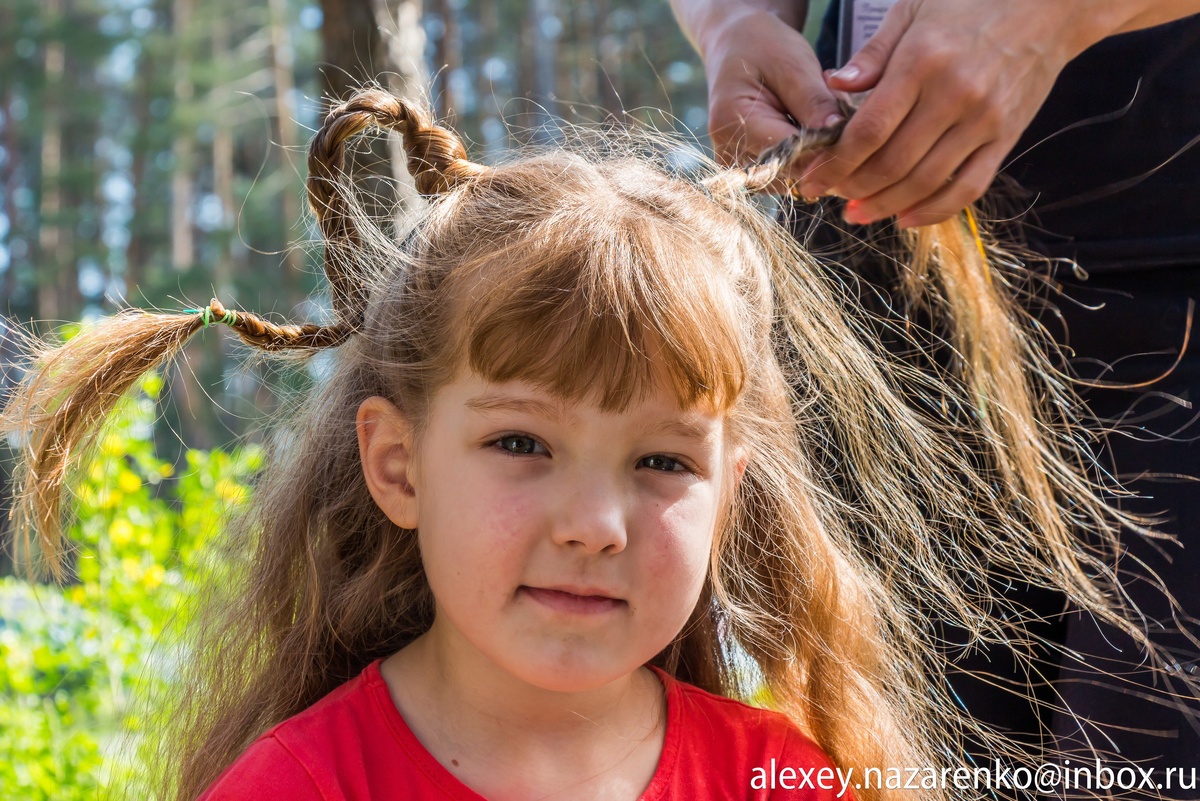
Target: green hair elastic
229, 318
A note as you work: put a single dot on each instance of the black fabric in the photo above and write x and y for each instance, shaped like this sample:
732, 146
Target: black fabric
1139, 242
1124, 328
1094, 161
1128, 328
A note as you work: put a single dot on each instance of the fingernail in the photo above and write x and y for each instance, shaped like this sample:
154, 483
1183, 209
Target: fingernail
846, 73
814, 190
834, 120
854, 213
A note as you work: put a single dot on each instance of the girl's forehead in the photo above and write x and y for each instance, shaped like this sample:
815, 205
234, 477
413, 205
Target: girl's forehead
658, 410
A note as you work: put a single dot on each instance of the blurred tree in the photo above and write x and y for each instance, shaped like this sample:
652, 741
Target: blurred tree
53, 244
367, 42
151, 155
151, 150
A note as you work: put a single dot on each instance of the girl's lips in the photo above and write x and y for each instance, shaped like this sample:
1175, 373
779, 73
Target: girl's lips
569, 602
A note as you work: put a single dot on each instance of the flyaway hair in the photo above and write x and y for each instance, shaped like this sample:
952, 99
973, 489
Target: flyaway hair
879, 498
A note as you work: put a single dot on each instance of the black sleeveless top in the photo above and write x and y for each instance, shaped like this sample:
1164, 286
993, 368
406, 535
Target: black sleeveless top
1095, 158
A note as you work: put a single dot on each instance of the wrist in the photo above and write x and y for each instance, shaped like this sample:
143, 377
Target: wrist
1095, 20
711, 24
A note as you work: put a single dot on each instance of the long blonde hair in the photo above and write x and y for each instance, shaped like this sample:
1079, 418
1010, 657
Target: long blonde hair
860, 510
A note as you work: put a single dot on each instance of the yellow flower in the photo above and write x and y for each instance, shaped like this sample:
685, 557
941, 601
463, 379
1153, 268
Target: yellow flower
129, 482
120, 532
153, 577
229, 490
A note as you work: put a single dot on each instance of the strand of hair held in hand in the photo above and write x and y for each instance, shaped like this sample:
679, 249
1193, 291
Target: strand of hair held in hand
775, 161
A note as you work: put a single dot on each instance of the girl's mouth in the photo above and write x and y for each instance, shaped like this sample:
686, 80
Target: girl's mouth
582, 602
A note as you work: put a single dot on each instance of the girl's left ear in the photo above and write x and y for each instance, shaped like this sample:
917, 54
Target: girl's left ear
739, 467
732, 480
385, 448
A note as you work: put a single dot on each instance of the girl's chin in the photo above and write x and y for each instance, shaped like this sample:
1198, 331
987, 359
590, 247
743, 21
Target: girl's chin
568, 676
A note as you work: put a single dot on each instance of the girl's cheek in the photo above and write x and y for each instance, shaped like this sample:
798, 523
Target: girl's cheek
682, 536
508, 515
511, 522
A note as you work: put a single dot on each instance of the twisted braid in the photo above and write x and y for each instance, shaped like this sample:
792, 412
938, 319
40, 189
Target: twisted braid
437, 161
763, 171
266, 335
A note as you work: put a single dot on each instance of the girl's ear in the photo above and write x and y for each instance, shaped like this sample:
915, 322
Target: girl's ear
738, 463
385, 447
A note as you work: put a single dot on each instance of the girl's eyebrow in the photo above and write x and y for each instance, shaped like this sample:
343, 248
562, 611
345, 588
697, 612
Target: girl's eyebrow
555, 413
492, 402
688, 429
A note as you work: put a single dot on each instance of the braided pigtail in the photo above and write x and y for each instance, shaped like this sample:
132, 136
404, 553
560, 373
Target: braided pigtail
766, 172
437, 161
56, 411
70, 390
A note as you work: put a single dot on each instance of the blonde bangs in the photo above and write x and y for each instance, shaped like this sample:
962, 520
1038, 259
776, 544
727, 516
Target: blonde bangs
602, 312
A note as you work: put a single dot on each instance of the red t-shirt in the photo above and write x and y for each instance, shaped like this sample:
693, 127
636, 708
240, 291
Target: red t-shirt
353, 745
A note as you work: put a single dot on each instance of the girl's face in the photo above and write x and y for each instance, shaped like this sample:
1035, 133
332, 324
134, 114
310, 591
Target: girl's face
564, 545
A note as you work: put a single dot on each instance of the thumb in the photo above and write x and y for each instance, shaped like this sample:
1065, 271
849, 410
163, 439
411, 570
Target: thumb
865, 67
802, 90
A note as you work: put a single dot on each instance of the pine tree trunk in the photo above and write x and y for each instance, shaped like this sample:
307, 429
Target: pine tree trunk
223, 269
8, 182
182, 244
52, 256
139, 153
608, 61
545, 58
369, 41
281, 64
223, 170
449, 60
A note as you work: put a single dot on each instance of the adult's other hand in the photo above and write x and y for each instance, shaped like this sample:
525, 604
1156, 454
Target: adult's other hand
953, 85
763, 77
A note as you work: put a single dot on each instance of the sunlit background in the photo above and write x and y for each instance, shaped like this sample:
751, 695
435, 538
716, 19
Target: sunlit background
151, 154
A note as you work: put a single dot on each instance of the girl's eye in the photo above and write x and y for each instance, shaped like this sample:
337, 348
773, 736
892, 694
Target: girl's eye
665, 464
518, 445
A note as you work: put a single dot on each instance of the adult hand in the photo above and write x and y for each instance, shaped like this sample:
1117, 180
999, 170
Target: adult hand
954, 84
763, 79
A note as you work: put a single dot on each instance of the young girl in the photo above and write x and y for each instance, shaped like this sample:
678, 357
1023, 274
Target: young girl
601, 457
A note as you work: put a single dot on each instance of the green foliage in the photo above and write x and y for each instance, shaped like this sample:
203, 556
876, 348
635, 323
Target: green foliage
75, 660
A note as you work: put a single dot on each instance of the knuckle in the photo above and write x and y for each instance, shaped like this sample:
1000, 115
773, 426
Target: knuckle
926, 184
851, 188
937, 57
975, 186
991, 116
873, 52
871, 130
893, 165
968, 90
876, 175
815, 107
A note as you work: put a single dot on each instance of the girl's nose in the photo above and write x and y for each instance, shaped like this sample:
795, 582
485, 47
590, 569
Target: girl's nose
592, 516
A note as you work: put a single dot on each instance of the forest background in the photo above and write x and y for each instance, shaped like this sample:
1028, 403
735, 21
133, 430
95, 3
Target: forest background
152, 155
